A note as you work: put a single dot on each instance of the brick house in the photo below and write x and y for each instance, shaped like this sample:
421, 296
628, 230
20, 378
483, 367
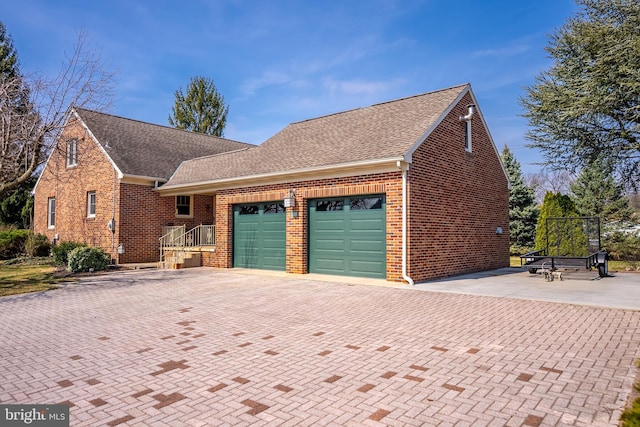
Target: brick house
98, 184
405, 190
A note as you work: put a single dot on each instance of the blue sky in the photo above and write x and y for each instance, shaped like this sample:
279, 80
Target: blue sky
277, 62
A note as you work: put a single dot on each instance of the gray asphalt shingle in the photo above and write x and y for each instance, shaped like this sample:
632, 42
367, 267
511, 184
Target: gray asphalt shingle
381, 131
151, 150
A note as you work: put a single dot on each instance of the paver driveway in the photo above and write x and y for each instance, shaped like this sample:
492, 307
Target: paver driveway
207, 347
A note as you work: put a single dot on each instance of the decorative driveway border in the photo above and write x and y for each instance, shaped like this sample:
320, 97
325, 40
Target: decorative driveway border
203, 347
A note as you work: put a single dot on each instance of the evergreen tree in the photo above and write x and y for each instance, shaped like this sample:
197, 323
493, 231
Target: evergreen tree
523, 213
596, 193
15, 203
201, 109
8, 55
585, 107
16, 207
566, 237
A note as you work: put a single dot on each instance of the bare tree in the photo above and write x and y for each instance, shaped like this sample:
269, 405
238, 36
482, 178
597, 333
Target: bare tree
553, 180
28, 133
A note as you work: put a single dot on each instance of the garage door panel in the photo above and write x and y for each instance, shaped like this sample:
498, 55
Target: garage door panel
367, 269
367, 246
330, 245
331, 266
326, 224
367, 224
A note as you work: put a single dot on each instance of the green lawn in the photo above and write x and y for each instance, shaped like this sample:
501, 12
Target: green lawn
27, 276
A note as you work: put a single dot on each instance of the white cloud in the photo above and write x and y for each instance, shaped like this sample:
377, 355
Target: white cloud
268, 78
502, 51
359, 87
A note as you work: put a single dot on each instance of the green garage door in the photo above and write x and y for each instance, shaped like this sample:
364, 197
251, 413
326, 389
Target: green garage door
259, 236
347, 236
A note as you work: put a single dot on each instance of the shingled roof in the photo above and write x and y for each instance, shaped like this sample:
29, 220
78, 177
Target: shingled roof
149, 150
382, 131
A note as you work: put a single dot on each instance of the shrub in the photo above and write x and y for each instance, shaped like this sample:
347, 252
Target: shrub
515, 250
12, 243
622, 246
61, 251
37, 245
84, 258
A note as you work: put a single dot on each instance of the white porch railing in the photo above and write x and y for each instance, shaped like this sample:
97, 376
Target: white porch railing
176, 238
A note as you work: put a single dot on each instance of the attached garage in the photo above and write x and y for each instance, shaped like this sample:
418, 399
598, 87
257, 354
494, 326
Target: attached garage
347, 236
259, 236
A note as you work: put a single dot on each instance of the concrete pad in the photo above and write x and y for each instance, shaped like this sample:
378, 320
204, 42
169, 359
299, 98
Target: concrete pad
620, 290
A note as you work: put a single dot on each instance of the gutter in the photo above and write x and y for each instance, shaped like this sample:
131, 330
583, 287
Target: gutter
279, 177
405, 168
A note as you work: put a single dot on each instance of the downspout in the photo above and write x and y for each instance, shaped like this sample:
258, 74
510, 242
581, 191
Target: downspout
405, 168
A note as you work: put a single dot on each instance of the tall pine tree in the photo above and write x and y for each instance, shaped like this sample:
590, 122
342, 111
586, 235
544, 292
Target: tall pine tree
523, 213
201, 109
596, 193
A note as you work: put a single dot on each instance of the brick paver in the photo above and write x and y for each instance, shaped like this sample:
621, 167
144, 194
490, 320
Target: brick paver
206, 347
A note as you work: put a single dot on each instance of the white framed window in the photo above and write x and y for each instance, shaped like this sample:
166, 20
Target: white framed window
72, 153
91, 204
184, 206
51, 212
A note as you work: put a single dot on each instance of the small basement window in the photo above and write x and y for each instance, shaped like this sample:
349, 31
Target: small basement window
183, 205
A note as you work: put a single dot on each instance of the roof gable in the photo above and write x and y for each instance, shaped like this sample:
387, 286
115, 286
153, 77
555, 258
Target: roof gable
389, 130
148, 150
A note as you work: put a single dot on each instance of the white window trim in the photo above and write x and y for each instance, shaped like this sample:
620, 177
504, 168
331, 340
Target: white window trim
51, 224
72, 153
89, 213
190, 215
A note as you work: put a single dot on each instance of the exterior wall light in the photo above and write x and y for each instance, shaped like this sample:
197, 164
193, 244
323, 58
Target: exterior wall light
290, 199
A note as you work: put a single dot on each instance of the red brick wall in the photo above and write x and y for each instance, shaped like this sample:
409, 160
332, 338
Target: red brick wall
297, 228
139, 211
144, 213
70, 186
457, 201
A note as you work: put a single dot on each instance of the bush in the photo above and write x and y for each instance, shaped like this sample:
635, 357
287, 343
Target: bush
37, 245
12, 243
515, 250
622, 246
61, 251
83, 259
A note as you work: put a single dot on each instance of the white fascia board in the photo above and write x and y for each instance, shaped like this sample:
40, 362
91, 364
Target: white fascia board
425, 135
423, 138
140, 179
93, 137
321, 172
66, 120
479, 113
